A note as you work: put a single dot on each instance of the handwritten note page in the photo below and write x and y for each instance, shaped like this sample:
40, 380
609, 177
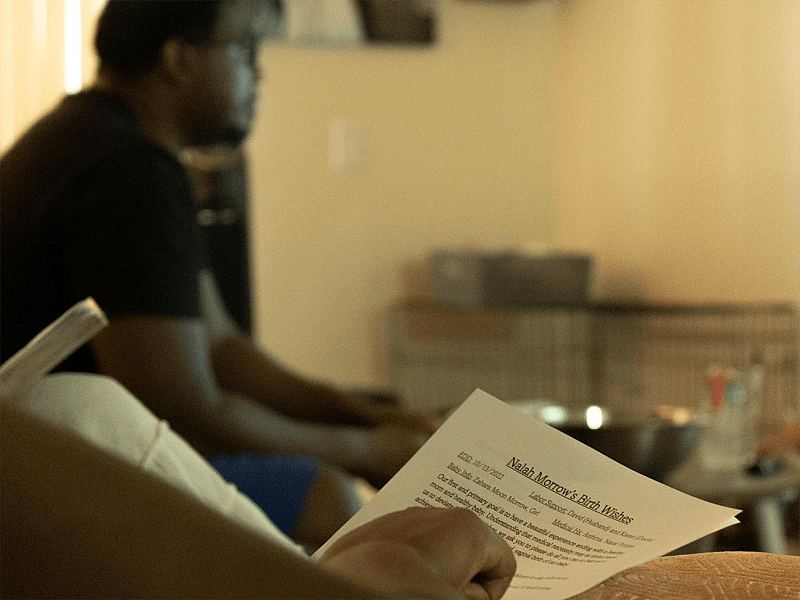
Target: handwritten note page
572, 516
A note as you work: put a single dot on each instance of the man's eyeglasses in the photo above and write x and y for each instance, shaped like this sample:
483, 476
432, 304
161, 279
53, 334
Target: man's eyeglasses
246, 49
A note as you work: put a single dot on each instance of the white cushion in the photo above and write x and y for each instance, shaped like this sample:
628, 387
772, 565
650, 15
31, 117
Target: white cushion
103, 412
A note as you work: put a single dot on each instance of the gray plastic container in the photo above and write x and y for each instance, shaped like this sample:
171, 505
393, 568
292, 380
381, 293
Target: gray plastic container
510, 280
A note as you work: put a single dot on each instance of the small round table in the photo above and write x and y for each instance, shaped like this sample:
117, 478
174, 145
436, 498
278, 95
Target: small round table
766, 495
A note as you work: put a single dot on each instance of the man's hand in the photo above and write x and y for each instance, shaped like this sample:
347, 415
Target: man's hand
376, 414
428, 551
377, 453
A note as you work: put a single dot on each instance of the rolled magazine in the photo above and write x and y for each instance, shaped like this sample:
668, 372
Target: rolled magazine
51, 346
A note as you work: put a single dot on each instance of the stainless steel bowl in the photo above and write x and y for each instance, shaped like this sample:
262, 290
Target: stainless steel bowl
650, 443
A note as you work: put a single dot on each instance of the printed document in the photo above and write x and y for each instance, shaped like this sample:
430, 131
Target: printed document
572, 516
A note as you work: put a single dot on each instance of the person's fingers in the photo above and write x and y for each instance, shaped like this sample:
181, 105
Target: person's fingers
424, 423
452, 544
393, 415
498, 565
493, 581
386, 449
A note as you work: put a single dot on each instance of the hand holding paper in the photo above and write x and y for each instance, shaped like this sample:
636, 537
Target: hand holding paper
572, 516
451, 547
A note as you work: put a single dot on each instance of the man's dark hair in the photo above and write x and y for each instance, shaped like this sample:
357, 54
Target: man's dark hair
130, 33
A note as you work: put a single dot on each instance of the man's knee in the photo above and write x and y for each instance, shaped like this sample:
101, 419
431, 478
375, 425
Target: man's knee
334, 497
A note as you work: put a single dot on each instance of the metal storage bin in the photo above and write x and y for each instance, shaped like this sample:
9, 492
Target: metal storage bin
510, 280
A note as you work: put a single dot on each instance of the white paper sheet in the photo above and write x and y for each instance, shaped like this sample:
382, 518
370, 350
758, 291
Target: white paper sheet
572, 516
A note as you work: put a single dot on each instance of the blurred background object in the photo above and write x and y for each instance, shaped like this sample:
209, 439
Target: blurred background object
353, 22
650, 443
220, 180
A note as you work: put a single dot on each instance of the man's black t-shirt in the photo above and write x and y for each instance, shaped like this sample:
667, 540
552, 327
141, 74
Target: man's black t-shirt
90, 207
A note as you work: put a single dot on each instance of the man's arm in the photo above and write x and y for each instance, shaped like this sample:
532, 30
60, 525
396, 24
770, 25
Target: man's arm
243, 368
168, 364
240, 367
94, 525
165, 363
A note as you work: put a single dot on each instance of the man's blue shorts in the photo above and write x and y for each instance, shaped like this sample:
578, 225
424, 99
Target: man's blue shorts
277, 484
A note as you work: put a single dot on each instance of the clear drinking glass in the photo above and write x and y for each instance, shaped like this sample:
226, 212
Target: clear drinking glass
730, 439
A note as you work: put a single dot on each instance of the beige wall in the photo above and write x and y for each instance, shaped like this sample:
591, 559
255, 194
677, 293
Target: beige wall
455, 144
678, 146
661, 135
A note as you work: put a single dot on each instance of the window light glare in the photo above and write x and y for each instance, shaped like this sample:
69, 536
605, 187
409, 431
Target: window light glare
554, 415
594, 417
72, 46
